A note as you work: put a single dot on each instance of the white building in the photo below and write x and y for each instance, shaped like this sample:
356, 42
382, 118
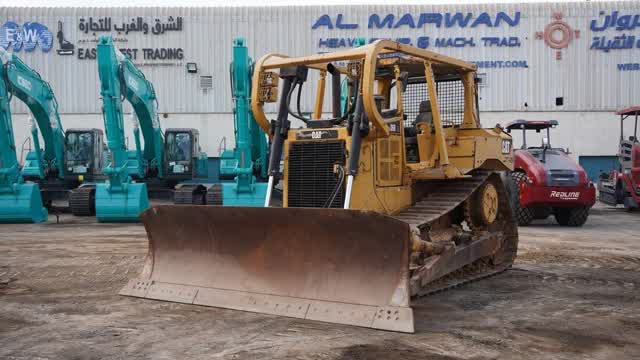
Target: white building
573, 62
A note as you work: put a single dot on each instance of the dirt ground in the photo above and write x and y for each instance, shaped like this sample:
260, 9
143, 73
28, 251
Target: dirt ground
574, 293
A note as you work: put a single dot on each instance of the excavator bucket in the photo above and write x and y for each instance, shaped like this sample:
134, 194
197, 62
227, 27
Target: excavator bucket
122, 205
332, 265
22, 204
232, 197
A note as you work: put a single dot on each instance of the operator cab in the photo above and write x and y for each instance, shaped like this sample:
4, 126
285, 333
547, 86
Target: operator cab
538, 126
539, 152
83, 153
182, 149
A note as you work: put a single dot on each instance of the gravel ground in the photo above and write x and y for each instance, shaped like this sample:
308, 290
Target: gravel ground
574, 293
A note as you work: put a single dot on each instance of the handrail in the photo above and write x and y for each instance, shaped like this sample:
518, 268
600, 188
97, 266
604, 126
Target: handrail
22, 150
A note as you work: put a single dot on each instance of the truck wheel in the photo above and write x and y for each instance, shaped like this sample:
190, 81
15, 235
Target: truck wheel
572, 216
541, 213
523, 215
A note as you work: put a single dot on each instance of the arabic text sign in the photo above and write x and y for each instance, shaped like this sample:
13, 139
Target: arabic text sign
137, 24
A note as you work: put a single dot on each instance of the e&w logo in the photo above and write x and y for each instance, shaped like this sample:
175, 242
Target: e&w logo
26, 36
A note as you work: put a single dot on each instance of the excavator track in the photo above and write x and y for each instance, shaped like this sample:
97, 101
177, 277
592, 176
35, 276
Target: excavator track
189, 195
214, 195
82, 201
452, 204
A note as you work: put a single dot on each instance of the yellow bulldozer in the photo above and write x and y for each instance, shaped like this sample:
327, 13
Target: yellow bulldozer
396, 194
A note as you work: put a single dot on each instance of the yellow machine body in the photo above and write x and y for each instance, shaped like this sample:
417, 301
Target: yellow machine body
386, 200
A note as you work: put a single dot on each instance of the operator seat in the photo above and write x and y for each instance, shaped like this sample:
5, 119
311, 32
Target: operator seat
422, 124
424, 120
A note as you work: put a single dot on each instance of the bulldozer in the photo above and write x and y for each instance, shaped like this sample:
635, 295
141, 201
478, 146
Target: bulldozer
394, 196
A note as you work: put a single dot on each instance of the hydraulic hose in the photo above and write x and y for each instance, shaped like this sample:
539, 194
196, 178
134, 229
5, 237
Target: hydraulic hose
280, 129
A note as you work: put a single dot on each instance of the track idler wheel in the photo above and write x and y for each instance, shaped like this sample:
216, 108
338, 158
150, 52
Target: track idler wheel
488, 196
483, 206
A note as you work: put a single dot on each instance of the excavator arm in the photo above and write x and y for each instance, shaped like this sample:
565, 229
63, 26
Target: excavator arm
119, 199
19, 201
250, 153
142, 96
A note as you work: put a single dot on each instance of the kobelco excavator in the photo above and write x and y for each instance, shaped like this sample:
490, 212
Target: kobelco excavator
20, 201
398, 197
70, 161
246, 164
167, 158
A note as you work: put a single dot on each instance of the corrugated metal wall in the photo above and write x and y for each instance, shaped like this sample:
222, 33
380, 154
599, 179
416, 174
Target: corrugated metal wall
586, 79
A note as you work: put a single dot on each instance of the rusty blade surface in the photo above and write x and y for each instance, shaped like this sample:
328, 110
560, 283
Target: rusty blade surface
343, 266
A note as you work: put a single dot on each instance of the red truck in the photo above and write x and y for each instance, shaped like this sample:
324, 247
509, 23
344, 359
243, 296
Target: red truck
547, 181
622, 185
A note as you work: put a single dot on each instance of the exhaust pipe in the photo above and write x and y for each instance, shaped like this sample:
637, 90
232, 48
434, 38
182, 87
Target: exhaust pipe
335, 91
359, 128
279, 131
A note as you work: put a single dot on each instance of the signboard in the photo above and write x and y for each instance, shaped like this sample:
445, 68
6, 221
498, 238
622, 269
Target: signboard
80, 39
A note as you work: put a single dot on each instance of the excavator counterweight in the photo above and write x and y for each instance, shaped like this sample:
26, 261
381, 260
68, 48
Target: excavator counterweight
399, 196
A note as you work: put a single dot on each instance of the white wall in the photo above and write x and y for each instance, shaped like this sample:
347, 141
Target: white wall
587, 79
584, 133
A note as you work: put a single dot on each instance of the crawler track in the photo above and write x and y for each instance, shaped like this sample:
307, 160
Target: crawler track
449, 205
82, 201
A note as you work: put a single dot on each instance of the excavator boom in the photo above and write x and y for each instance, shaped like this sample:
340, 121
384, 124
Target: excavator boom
19, 201
247, 162
119, 199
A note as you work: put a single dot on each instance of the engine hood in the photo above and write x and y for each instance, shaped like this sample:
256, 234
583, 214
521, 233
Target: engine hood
557, 169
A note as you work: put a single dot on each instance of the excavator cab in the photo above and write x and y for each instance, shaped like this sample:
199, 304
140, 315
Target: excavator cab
84, 154
182, 151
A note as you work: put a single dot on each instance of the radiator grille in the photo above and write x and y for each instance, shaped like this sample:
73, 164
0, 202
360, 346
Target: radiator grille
450, 100
311, 180
389, 160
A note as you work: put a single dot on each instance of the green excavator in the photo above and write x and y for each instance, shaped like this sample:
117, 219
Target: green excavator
169, 159
70, 163
245, 167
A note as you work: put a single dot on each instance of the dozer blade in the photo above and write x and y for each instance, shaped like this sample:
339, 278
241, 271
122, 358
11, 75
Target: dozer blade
332, 265
22, 204
123, 205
